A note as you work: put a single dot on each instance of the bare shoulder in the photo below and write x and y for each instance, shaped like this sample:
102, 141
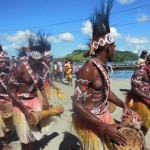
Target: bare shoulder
19, 68
86, 71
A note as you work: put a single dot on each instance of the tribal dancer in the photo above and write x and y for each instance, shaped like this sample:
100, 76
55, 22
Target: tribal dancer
6, 122
43, 42
23, 85
139, 98
47, 79
91, 117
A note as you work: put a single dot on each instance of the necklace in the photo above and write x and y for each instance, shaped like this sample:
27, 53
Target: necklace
106, 65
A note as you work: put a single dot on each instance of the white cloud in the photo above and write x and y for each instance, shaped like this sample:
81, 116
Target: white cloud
87, 29
122, 2
142, 18
115, 33
135, 40
121, 49
66, 36
61, 38
54, 39
82, 46
16, 40
139, 47
18, 37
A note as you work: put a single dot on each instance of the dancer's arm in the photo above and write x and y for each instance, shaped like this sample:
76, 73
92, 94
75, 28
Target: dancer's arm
114, 99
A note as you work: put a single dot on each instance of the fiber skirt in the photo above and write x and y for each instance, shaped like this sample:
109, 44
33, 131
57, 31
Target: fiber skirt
91, 138
27, 132
6, 123
139, 105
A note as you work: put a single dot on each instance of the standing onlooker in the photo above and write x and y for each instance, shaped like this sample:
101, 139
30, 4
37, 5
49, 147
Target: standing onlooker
60, 68
55, 70
68, 70
142, 57
51, 67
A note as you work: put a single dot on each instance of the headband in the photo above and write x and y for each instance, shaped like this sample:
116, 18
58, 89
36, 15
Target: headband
102, 41
36, 55
23, 58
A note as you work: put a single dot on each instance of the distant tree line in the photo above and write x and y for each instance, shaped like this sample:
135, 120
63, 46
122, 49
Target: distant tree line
120, 56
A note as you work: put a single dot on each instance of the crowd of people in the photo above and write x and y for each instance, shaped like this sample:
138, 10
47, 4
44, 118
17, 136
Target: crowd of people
62, 69
25, 92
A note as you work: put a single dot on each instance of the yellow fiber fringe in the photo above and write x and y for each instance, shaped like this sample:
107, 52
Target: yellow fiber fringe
91, 139
141, 108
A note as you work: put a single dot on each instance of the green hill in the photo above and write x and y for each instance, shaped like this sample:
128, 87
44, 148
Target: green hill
120, 56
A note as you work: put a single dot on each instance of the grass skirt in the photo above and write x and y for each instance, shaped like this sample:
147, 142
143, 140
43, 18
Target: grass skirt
137, 104
27, 132
91, 138
6, 124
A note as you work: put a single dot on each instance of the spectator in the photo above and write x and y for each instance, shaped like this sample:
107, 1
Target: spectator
60, 69
142, 57
68, 70
51, 67
55, 70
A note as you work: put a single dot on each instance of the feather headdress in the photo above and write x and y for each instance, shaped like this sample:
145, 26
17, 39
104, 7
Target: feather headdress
100, 27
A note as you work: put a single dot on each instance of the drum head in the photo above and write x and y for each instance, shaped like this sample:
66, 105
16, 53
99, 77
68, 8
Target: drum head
135, 139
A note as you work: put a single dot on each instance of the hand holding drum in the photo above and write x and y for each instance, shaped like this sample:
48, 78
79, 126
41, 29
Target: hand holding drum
131, 131
37, 116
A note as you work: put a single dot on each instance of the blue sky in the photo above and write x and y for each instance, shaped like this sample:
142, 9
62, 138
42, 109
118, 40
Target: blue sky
68, 25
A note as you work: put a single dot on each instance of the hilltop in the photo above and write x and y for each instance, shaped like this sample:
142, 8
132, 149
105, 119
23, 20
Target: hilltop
120, 56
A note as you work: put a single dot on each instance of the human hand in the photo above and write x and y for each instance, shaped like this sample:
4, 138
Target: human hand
127, 110
46, 106
28, 113
112, 132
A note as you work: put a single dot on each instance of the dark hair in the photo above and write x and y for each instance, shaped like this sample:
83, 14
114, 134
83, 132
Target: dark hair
21, 52
143, 53
43, 41
100, 19
1, 49
148, 58
38, 42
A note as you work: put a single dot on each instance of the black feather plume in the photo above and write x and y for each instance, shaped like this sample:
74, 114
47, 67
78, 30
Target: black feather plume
1, 49
21, 52
100, 19
43, 41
